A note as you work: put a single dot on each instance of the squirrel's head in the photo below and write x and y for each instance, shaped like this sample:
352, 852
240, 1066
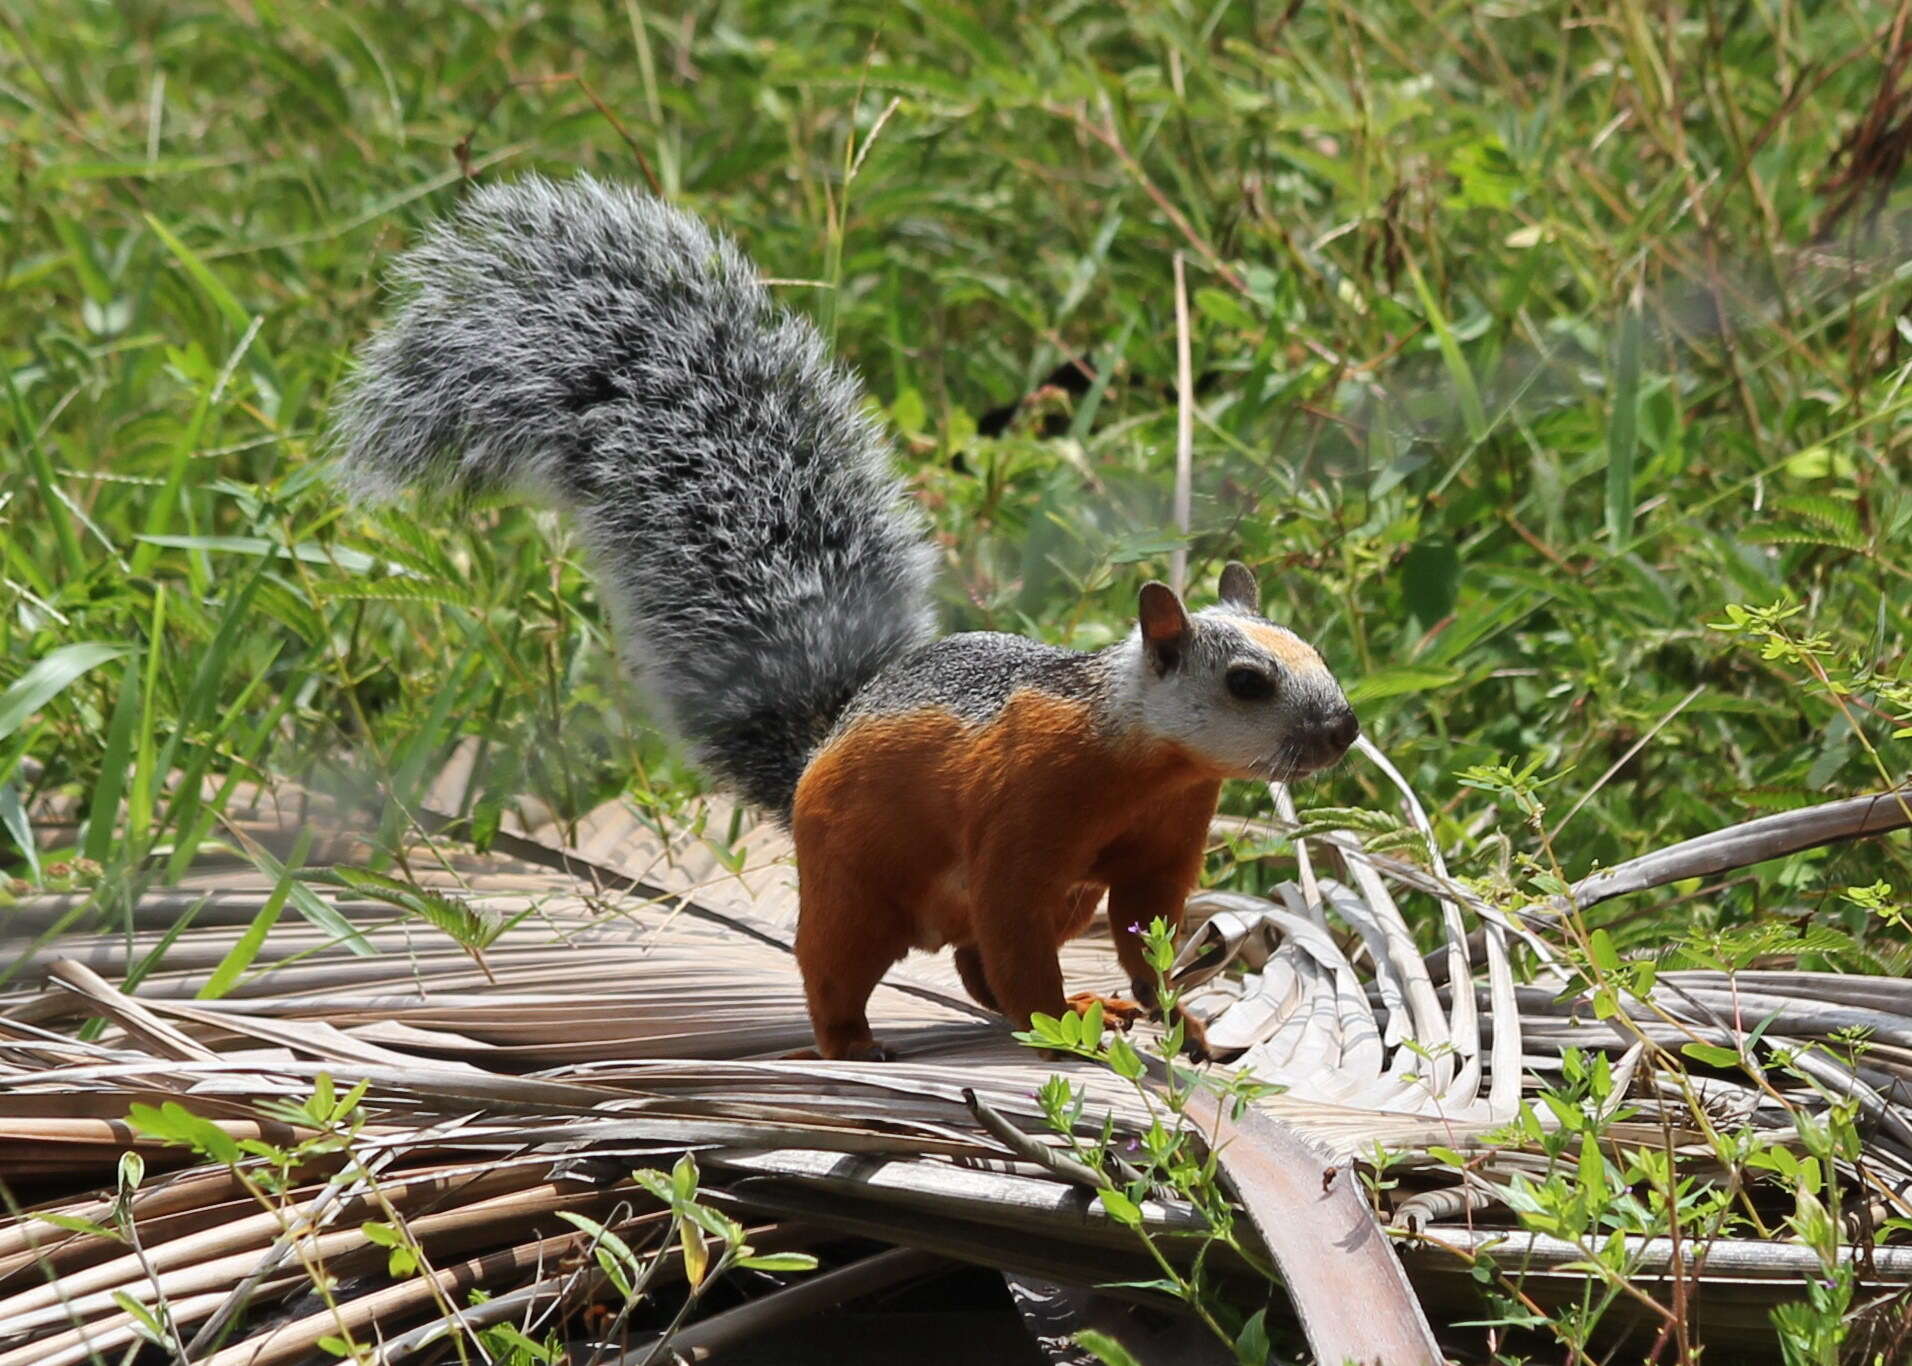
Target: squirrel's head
1230, 686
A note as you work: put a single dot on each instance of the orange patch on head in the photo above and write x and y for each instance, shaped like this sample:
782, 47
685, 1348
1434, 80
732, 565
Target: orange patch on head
1290, 651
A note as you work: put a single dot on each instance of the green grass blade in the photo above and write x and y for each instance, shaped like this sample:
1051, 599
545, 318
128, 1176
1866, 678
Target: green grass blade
156, 955
190, 817
308, 903
246, 948
1459, 373
102, 811
139, 796
210, 284
1623, 429
65, 536
160, 511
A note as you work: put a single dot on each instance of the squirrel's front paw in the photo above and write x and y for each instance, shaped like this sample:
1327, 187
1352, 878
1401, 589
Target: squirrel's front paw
1116, 1012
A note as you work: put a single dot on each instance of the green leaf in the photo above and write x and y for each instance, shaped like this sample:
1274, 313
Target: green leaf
102, 809
1070, 1025
1225, 307
1458, 371
1711, 1054
1430, 580
174, 1123
145, 1323
615, 1271
714, 1222
1605, 956
349, 1102
1092, 1024
1395, 682
246, 947
1592, 1171
779, 1261
472, 927
55, 506
13, 815
403, 1256
908, 412
397, 590
1121, 1209
53, 674
73, 1223
1124, 1061
308, 904
656, 1183
1252, 1346
614, 1255
1105, 1348
522, 1348
1047, 1029
1623, 429
351, 560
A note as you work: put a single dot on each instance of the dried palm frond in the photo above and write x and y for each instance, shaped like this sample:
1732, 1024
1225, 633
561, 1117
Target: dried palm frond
634, 1001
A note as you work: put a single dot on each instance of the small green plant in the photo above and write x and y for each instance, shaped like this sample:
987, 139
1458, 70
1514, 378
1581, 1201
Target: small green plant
270, 1172
1853, 683
693, 1224
1170, 1156
1876, 899
1597, 1190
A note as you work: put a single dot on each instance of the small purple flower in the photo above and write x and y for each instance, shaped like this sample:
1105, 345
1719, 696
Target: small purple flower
1135, 929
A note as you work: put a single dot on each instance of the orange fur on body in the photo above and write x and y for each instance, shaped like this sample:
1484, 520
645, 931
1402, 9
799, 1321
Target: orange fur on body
923, 830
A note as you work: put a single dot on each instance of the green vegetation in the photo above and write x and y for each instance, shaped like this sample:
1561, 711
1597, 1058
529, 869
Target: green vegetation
1526, 342
1550, 367
268, 1173
1171, 1154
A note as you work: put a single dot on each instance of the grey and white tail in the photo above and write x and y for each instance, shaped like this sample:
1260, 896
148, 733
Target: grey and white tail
604, 351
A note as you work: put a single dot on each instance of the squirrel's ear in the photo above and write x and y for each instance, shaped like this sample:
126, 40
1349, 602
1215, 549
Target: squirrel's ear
1238, 587
1165, 626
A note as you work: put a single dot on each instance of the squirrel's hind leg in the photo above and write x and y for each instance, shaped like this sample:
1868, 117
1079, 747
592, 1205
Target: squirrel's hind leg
846, 941
969, 967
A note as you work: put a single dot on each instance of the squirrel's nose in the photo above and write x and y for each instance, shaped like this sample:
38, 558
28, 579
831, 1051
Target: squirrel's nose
1333, 731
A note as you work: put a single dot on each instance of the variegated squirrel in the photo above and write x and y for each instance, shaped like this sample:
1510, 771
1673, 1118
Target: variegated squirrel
769, 587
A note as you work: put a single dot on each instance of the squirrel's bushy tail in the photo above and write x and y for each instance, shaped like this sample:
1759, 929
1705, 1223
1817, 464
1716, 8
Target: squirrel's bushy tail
608, 352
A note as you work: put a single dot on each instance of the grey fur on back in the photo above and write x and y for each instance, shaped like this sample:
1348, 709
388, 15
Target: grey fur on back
605, 351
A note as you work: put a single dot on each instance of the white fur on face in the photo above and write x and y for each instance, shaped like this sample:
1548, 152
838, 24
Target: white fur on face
1192, 706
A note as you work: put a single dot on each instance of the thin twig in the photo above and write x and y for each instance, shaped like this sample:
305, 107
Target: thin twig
1625, 759
1184, 430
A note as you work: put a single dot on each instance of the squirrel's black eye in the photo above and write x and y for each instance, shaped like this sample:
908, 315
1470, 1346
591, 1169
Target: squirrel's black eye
1250, 685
